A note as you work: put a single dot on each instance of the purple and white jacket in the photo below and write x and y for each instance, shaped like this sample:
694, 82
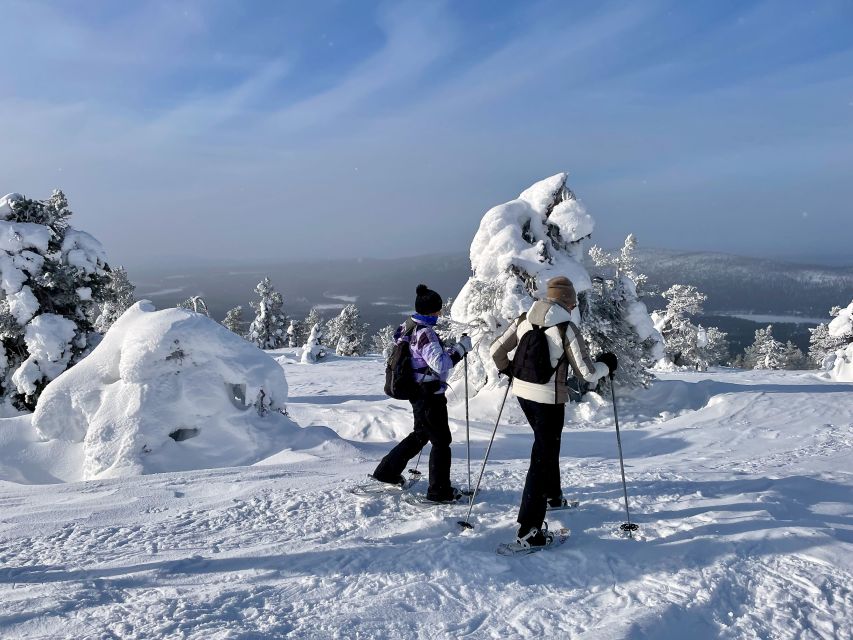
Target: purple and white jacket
431, 361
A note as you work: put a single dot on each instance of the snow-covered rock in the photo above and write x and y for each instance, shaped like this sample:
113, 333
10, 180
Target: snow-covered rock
167, 390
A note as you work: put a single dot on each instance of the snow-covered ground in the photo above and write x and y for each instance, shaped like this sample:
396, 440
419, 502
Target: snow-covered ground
740, 482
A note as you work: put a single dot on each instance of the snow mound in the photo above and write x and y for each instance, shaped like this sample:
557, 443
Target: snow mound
164, 391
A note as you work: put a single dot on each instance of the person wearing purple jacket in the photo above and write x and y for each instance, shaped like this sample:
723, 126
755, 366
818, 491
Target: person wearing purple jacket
431, 363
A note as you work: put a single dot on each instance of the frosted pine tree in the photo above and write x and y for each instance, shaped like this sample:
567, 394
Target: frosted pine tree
765, 352
713, 346
234, 321
518, 247
448, 331
119, 297
687, 345
314, 351
269, 328
293, 334
841, 327
824, 344
383, 341
54, 283
615, 318
347, 332
313, 318
793, 357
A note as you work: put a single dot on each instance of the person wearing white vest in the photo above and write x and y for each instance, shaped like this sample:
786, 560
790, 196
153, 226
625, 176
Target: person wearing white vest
544, 404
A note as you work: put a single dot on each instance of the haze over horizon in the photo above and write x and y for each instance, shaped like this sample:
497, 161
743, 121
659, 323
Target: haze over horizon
269, 131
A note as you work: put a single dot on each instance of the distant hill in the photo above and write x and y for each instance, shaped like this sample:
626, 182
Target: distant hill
750, 285
385, 289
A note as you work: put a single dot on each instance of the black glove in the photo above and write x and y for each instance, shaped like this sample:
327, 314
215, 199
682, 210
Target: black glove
506, 371
609, 359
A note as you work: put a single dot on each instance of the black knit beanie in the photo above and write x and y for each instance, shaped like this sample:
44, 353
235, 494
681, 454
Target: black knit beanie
427, 300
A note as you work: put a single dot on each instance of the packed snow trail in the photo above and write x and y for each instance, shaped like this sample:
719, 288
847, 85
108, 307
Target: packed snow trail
740, 482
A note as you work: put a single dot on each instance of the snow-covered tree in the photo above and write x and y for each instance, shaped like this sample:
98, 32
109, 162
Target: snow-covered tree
347, 332
824, 344
842, 327
196, 304
448, 330
53, 282
119, 297
518, 247
687, 344
234, 321
615, 318
713, 346
383, 340
293, 332
269, 328
314, 351
793, 357
313, 318
765, 352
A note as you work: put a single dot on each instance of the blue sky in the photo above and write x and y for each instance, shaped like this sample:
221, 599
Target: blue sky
285, 130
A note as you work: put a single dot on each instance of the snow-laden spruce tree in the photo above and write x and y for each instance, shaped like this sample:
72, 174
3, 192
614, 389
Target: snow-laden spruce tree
118, 298
304, 328
233, 320
293, 332
615, 318
841, 327
518, 247
314, 351
765, 352
713, 345
824, 344
687, 344
269, 328
347, 332
53, 281
383, 341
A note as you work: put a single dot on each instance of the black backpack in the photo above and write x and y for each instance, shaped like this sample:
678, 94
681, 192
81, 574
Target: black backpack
532, 360
399, 373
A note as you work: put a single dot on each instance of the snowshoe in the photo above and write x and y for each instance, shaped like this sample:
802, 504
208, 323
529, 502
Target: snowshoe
532, 541
561, 504
375, 487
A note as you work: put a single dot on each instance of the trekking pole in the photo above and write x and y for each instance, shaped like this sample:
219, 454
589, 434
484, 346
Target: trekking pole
467, 425
464, 523
625, 526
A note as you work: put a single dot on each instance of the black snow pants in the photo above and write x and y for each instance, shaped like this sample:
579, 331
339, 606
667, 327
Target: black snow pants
430, 413
543, 476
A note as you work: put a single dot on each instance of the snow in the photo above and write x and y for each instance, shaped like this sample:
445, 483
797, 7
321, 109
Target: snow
842, 369
842, 324
23, 305
157, 372
740, 482
83, 251
48, 338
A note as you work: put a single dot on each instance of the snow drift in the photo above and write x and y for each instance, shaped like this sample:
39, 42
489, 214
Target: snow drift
167, 390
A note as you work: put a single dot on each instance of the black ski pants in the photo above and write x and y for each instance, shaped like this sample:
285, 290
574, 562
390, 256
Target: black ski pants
543, 476
430, 414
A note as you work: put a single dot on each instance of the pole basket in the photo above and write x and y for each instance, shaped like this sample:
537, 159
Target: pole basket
629, 527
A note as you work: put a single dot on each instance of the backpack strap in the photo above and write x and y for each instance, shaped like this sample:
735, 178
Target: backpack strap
562, 330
